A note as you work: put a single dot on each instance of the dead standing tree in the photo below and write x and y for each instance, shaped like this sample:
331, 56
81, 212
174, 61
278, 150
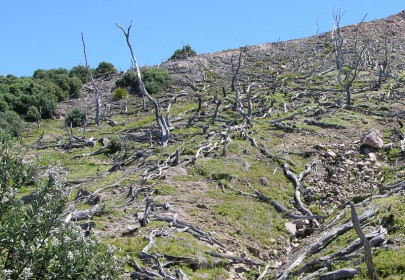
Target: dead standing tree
348, 60
160, 119
97, 93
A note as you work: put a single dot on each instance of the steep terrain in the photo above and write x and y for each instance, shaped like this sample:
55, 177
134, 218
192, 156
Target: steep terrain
255, 132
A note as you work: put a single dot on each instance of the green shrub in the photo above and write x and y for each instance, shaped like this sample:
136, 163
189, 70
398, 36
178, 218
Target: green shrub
183, 53
34, 242
156, 80
3, 105
115, 144
33, 114
104, 68
80, 72
11, 123
66, 85
75, 117
120, 93
129, 80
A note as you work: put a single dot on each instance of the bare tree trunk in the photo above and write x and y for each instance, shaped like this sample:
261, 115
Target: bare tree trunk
235, 69
160, 119
97, 94
364, 241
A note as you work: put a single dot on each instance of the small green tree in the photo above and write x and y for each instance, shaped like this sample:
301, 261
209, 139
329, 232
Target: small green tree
104, 68
75, 117
183, 53
34, 242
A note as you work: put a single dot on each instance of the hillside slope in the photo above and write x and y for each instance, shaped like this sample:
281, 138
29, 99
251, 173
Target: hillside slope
262, 161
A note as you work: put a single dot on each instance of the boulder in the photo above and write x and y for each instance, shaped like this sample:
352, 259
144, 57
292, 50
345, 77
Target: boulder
291, 228
373, 139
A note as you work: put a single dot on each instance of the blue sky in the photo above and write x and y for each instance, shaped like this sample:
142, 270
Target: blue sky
45, 34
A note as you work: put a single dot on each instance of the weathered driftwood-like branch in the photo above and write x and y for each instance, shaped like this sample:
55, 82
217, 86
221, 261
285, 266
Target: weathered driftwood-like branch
297, 184
97, 94
142, 273
189, 228
324, 241
160, 119
364, 241
343, 273
235, 260
85, 214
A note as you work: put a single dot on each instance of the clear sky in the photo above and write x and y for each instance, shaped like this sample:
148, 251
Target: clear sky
45, 34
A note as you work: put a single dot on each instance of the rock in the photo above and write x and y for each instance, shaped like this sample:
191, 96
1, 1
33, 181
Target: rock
373, 138
104, 141
263, 181
372, 157
349, 153
301, 223
330, 154
276, 264
291, 228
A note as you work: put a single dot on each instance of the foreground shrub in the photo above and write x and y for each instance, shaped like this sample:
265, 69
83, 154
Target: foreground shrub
34, 242
75, 117
11, 123
120, 93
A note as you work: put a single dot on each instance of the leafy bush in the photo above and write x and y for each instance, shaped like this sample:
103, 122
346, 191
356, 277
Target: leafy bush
104, 68
183, 53
67, 86
115, 144
120, 93
75, 117
156, 80
80, 72
129, 80
3, 105
34, 242
33, 114
11, 123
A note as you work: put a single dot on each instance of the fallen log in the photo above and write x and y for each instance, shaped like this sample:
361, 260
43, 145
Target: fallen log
85, 214
344, 273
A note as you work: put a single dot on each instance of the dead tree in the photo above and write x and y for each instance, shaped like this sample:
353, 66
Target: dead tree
383, 64
160, 119
348, 59
97, 94
235, 69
